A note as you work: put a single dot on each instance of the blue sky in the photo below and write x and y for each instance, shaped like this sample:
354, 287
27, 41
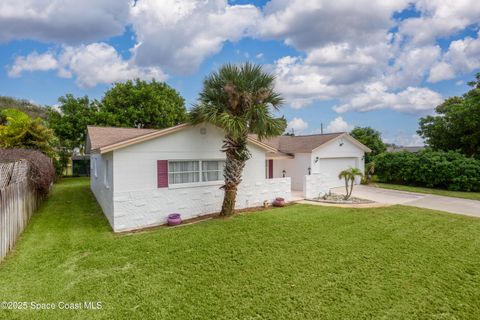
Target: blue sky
382, 64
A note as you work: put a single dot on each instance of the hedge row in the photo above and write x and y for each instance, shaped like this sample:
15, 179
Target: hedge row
433, 169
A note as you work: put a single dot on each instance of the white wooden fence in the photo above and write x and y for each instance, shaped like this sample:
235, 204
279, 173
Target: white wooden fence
18, 201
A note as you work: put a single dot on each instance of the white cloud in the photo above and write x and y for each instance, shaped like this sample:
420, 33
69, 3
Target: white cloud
315, 23
375, 96
338, 125
439, 18
411, 66
297, 125
179, 35
302, 84
405, 139
92, 64
33, 62
63, 21
349, 51
462, 56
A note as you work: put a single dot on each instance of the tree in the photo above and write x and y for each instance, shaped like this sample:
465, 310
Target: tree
18, 130
457, 125
371, 138
349, 175
238, 99
369, 172
142, 104
31, 109
71, 119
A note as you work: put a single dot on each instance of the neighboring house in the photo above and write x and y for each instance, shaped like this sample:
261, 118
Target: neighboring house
407, 149
139, 176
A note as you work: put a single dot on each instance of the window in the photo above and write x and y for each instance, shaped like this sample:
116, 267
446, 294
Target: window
106, 176
183, 172
95, 167
195, 171
212, 170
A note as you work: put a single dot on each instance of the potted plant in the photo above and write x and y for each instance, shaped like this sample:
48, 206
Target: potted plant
279, 202
174, 219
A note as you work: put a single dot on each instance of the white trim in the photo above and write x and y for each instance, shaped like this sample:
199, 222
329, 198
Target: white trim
166, 131
349, 138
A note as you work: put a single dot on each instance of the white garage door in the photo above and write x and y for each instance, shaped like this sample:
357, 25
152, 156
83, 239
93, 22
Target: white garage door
333, 166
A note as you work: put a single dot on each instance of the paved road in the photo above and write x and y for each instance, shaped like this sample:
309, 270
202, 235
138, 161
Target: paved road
449, 204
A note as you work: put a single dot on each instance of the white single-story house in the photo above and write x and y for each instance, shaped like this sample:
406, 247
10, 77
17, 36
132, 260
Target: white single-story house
140, 176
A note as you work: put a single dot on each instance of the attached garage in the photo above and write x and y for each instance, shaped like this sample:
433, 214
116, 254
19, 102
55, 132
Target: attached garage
315, 159
333, 166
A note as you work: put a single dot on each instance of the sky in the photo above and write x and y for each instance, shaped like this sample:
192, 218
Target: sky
340, 64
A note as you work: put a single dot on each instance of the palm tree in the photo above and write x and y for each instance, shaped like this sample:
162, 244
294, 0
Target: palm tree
349, 175
240, 100
369, 171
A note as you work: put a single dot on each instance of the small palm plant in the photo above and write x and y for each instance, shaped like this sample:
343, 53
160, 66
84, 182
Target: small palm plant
369, 172
349, 175
240, 100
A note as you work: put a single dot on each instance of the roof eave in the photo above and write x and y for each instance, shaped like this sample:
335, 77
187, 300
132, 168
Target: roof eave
152, 135
347, 136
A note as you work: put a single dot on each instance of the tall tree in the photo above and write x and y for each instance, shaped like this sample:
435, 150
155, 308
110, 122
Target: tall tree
31, 109
18, 130
142, 104
238, 99
371, 138
70, 120
457, 125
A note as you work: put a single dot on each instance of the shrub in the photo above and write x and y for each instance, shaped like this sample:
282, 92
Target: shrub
434, 169
41, 172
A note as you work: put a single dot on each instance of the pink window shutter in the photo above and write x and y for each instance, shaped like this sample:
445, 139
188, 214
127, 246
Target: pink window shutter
270, 169
162, 173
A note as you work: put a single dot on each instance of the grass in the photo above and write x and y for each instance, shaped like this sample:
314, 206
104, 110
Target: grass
440, 192
298, 262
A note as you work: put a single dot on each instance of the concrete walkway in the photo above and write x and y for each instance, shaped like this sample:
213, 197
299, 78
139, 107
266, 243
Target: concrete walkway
442, 203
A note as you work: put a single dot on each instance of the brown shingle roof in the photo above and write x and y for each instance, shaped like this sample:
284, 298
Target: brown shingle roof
300, 144
105, 136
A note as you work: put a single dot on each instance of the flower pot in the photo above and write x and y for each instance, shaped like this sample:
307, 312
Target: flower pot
174, 219
278, 202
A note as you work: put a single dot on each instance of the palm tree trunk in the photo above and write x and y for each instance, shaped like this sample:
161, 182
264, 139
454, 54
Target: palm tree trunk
346, 189
232, 174
228, 206
351, 187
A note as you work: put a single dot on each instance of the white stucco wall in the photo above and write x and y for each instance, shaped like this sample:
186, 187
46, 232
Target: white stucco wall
137, 201
140, 209
315, 185
101, 182
136, 165
295, 168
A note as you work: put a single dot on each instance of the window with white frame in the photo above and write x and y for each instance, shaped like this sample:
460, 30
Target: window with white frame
212, 170
195, 171
106, 177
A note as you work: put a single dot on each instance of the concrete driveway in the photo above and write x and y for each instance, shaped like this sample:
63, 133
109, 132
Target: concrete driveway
448, 204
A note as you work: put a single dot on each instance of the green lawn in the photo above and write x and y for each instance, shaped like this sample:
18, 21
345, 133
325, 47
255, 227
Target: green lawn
299, 262
440, 192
